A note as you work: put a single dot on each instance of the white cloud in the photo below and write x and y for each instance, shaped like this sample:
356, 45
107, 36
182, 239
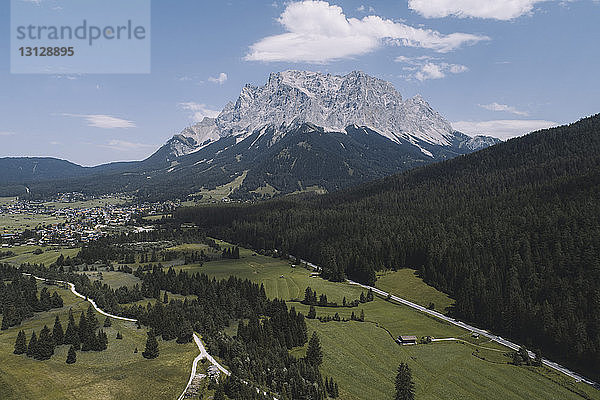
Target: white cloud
492, 9
6, 133
123, 145
317, 32
363, 8
199, 111
221, 79
503, 107
424, 67
502, 129
103, 121
430, 71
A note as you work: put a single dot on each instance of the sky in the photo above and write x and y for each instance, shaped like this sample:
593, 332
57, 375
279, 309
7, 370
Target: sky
494, 67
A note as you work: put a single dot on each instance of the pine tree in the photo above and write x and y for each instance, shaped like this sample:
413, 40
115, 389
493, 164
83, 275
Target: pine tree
185, 332
405, 387
166, 298
32, 347
151, 350
309, 297
119, 336
76, 341
107, 322
91, 318
312, 313
72, 355
45, 300
21, 343
314, 354
102, 341
45, 345
84, 333
362, 315
6, 313
58, 335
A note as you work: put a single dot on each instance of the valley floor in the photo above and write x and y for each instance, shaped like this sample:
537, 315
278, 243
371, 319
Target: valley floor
361, 356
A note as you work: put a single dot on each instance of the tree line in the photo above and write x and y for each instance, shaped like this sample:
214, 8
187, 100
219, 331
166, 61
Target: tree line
511, 232
19, 298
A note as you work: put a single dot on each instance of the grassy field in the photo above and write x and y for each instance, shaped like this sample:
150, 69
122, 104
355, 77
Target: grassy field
363, 356
116, 373
220, 192
364, 360
405, 283
25, 254
280, 279
115, 279
12, 223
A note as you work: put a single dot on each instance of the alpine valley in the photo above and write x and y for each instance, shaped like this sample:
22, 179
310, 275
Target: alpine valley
301, 131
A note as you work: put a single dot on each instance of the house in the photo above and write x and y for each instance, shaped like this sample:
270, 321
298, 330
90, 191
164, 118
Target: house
403, 340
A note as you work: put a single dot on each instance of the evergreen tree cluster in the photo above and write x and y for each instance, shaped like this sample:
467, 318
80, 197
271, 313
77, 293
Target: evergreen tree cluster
19, 298
511, 232
312, 299
258, 353
332, 388
405, 387
80, 337
232, 253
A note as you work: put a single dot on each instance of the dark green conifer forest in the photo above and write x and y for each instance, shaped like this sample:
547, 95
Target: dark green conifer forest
511, 232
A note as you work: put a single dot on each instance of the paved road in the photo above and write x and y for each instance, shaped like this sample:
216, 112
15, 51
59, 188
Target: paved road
92, 302
203, 354
481, 332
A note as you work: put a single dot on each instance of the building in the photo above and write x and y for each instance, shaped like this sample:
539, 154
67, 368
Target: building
403, 340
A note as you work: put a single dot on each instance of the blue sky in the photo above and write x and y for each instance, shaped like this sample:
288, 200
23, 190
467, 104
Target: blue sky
496, 67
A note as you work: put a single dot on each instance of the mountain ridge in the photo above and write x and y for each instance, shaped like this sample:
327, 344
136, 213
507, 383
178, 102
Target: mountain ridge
344, 130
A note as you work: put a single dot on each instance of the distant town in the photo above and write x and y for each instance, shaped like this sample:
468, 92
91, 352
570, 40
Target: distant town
73, 218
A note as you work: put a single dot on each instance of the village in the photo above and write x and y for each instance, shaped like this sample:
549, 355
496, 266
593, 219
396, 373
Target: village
71, 219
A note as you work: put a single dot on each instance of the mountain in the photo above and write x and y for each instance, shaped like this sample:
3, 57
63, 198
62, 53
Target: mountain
291, 98
300, 131
512, 233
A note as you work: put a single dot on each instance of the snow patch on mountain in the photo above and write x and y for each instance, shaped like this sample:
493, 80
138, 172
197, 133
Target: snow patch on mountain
332, 102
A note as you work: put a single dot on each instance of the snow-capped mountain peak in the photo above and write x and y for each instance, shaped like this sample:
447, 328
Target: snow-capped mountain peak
333, 102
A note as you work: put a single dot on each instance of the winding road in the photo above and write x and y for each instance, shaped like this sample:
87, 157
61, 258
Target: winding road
92, 302
203, 352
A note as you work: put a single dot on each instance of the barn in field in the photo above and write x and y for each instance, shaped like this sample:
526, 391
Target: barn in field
403, 340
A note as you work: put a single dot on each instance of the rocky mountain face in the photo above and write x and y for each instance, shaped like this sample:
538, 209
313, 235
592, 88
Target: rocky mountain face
300, 131
332, 102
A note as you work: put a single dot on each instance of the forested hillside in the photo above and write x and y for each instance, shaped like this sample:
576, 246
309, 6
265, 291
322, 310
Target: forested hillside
512, 232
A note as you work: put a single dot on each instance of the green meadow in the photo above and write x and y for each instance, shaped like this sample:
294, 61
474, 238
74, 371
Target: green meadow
363, 356
26, 254
12, 223
116, 373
